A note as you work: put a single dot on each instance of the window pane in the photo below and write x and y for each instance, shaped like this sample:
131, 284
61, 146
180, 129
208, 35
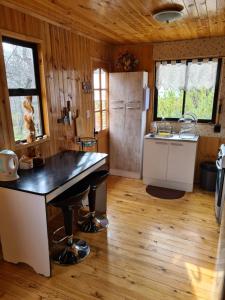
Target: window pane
97, 100
96, 79
97, 121
170, 104
103, 99
103, 79
201, 88
104, 120
170, 82
17, 111
19, 66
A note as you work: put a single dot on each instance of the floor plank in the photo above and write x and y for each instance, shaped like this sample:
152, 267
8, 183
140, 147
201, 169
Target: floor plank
154, 249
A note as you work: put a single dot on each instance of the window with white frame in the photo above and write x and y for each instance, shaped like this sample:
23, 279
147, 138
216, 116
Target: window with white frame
100, 84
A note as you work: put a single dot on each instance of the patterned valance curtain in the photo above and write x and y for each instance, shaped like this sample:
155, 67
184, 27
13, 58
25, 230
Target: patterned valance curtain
170, 75
186, 75
201, 74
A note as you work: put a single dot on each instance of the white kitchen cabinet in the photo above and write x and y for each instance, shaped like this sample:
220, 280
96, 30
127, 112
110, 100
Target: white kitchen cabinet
169, 163
181, 161
155, 160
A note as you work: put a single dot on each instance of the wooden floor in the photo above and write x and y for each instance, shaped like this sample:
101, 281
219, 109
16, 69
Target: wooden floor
154, 249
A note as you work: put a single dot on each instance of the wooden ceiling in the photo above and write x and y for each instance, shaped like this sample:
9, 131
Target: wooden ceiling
128, 21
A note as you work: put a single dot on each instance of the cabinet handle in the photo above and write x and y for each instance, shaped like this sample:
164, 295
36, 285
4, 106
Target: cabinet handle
176, 144
118, 107
130, 107
161, 143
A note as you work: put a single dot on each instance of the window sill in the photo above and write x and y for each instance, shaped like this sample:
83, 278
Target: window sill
33, 144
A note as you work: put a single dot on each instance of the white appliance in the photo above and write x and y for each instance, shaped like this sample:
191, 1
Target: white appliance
220, 186
128, 103
8, 165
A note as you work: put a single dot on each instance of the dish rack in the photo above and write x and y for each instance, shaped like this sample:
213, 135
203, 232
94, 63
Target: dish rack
188, 125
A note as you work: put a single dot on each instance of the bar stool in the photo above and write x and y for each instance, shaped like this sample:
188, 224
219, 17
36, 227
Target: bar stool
75, 250
90, 222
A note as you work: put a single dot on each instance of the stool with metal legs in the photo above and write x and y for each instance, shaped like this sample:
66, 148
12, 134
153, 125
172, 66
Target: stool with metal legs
70, 201
90, 222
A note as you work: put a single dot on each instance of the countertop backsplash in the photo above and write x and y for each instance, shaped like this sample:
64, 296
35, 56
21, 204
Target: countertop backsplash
202, 129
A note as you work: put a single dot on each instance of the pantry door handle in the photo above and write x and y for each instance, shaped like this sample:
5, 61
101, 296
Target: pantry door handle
118, 107
161, 143
177, 144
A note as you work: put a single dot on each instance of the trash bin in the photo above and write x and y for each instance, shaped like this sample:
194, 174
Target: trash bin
208, 172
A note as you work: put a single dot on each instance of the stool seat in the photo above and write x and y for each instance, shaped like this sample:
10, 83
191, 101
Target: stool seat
90, 222
96, 178
75, 250
73, 196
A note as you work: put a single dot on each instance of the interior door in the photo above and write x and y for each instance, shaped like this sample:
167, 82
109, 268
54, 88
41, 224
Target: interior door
181, 161
155, 159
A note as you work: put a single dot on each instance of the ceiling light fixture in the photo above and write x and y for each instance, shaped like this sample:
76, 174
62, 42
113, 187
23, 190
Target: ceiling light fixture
168, 15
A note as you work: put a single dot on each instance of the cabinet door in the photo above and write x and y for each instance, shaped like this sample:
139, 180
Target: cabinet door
116, 135
132, 137
181, 161
155, 159
118, 86
136, 88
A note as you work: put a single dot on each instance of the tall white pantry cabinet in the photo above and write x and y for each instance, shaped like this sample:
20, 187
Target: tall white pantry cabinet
128, 103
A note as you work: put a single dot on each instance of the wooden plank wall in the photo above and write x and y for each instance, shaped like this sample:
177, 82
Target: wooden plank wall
67, 62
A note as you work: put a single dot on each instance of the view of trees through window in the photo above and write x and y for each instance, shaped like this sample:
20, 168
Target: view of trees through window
100, 99
20, 72
186, 87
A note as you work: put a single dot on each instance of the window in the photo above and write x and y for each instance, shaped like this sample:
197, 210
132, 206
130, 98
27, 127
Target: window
187, 86
100, 99
22, 73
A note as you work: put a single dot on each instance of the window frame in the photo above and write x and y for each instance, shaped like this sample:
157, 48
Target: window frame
100, 89
215, 99
17, 92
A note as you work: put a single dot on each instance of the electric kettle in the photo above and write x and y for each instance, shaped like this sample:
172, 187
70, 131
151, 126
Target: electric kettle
8, 165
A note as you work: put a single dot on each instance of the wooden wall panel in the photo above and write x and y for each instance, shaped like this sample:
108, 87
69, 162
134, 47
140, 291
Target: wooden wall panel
66, 63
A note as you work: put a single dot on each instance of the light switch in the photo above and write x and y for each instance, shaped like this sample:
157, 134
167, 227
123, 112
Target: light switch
88, 114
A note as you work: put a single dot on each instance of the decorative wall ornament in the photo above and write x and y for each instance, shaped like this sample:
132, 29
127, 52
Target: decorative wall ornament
86, 87
126, 62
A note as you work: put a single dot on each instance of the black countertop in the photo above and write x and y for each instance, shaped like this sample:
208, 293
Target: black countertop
58, 170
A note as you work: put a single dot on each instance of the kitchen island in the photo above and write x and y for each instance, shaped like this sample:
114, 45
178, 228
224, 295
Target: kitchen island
23, 205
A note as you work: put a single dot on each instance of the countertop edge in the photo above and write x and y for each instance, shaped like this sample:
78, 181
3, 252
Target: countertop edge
175, 138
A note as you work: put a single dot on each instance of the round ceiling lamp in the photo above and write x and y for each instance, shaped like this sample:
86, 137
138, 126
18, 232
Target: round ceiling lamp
168, 15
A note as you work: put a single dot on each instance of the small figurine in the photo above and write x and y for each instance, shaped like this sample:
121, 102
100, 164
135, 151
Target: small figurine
29, 118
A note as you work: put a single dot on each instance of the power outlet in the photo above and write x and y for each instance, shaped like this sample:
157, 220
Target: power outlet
217, 128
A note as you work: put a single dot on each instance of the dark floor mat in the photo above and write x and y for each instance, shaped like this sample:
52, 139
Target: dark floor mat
164, 193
